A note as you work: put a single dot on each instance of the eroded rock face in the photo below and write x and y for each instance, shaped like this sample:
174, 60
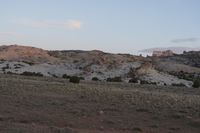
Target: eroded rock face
143, 69
163, 53
88, 64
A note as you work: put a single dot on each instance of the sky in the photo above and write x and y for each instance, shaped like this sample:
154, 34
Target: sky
118, 26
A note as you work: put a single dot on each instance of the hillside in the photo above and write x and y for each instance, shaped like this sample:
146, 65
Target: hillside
190, 60
24, 53
186, 65
87, 64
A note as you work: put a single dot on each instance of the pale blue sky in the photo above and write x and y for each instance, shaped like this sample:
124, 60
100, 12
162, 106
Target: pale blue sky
109, 25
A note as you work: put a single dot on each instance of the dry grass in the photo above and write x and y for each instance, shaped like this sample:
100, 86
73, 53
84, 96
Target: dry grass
49, 105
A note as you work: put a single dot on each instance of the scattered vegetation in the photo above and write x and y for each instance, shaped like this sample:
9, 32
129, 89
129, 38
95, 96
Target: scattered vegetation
115, 79
32, 74
147, 82
133, 80
178, 84
74, 79
185, 75
65, 76
95, 79
28, 62
81, 78
75, 61
196, 83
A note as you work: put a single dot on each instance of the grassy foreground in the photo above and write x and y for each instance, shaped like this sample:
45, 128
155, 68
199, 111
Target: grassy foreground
50, 105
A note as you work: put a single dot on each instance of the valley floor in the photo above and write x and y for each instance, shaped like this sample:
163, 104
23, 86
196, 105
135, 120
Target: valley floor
50, 105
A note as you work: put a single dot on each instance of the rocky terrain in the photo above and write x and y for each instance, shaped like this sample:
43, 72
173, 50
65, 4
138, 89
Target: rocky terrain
186, 65
35, 98
89, 64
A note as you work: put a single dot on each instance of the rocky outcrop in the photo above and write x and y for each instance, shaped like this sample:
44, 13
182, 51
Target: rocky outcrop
88, 64
162, 53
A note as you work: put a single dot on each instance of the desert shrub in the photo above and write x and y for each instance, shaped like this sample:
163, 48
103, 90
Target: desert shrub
32, 74
75, 61
95, 79
55, 76
109, 80
133, 80
153, 83
74, 79
11, 73
147, 82
115, 79
66, 76
144, 82
178, 85
196, 83
17, 67
28, 62
81, 78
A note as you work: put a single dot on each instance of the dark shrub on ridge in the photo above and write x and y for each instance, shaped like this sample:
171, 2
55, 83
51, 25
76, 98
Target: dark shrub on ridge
115, 79
74, 79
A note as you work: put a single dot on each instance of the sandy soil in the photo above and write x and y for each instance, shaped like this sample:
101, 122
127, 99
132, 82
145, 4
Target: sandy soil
50, 105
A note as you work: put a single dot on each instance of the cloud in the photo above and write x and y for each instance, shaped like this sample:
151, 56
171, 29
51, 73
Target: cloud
69, 24
185, 40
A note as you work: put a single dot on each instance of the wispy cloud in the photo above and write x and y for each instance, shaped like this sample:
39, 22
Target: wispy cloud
185, 40
69, 24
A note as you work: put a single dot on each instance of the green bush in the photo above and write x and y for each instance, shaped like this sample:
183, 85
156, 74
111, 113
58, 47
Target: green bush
115, 79
133, 80
147, 82
81, 78
196, 83
144, 82
66, 76
74, 79
95, 79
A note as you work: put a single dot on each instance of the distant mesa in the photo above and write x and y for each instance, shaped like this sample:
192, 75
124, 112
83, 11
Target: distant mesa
163, 53
176, 50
